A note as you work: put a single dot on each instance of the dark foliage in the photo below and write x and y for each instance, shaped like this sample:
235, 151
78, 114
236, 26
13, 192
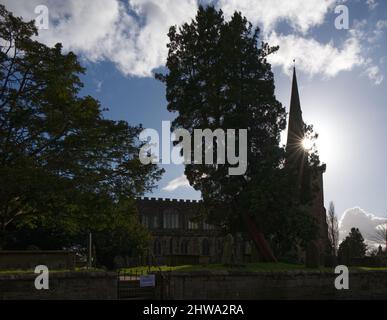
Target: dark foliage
352, 246
218, 77
64, 168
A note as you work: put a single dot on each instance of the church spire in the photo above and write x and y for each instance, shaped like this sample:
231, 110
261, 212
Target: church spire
296, 123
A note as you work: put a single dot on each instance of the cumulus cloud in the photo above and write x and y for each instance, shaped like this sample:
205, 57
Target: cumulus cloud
133, 33
358, 218
314, 57
179, 182
301, 15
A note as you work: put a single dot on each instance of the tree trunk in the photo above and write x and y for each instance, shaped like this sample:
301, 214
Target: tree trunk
259, 239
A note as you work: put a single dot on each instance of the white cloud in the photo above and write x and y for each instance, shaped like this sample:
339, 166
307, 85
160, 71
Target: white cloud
133, 33
179, 182
300, 14
372, 4
314, 57
381, 24
374, 74
358, 218
367, 32
378, 32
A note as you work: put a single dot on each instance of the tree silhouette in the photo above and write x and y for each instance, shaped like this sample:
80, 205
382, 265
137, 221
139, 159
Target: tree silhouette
60, 160
218, 77
379, 236
333, 229
352, 246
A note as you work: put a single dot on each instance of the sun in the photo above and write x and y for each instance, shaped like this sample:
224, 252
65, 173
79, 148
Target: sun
307, 144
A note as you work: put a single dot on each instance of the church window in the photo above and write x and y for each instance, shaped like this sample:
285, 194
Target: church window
145, 221
155, 222
192, 225
207, 226
171, 219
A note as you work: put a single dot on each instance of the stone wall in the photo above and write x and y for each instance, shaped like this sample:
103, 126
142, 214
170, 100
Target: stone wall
202, 285
271, 285
29, 259
62, 285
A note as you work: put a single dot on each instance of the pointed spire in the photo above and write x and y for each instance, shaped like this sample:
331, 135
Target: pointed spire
296, 123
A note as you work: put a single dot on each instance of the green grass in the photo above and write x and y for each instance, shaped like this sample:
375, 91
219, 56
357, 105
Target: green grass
369, 268
251, 267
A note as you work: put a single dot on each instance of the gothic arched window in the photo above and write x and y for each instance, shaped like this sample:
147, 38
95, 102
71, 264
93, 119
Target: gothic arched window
170, 219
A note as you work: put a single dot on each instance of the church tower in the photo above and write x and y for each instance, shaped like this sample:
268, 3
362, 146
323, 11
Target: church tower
297, 157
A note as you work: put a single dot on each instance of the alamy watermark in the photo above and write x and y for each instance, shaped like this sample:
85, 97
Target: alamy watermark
342, 280
203, 140
42, 280
42, 18
342, 20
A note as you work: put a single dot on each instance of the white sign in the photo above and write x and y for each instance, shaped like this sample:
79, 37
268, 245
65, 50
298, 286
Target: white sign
148, 280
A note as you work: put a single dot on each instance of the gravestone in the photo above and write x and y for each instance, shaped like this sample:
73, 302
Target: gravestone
228, 247
238, 248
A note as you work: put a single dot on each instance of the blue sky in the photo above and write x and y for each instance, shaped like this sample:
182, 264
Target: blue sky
341, 74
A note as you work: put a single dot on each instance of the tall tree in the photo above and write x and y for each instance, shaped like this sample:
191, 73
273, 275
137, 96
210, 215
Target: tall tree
333, 229
57, 152
380, 235
352, 246
218, 77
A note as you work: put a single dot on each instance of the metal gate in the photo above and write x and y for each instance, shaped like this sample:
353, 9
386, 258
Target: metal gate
129, 288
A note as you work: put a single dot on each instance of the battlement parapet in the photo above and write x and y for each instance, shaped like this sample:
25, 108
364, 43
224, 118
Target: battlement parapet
167, 200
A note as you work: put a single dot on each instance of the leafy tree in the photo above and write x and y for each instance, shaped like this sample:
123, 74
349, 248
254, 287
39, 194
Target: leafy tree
379, 236
218, 77
352, 246
62, 164
333, 229
123, 235
282, 215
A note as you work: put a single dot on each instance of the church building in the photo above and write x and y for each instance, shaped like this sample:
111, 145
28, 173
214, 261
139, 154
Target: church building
296, 157
180, 238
